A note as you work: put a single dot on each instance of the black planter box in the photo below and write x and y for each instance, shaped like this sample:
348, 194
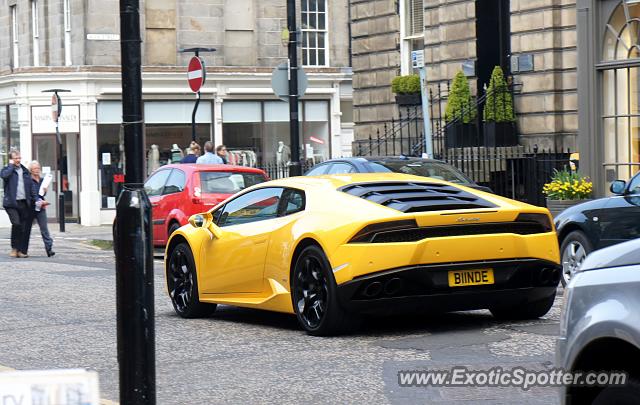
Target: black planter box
500, 134
409, 99
462, 136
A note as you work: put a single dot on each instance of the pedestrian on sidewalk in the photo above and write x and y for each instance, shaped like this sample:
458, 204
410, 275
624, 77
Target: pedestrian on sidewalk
209, 158
39, 209
18, 201
221, 151
192, 154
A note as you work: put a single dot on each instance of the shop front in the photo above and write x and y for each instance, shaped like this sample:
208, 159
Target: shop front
609, 90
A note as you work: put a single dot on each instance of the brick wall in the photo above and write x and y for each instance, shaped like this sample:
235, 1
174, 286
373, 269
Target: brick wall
547, 105
376, 61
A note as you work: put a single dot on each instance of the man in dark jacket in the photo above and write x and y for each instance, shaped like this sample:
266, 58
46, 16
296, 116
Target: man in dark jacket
18, 202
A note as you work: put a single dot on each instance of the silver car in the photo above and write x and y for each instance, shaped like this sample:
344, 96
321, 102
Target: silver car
600, 324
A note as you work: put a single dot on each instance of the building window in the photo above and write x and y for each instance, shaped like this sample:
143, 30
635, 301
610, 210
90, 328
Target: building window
66, 10
257, 133
14, 37
35, 32
621, 94
314, 33
167, 135
411, 31
9, 134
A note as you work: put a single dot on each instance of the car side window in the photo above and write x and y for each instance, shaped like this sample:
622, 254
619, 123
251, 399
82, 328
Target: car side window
341, 168
318, 170
634, 185
155, 184
175, 183
293, 201
257, 205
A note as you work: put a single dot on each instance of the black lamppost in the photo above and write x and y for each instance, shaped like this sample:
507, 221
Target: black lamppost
56, 110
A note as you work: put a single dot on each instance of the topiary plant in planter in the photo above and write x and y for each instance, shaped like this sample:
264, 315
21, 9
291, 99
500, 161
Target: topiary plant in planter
407, 90
499, 118
460, 115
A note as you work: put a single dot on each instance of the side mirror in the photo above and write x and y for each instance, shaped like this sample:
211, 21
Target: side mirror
197, 220
617, 187
215, 230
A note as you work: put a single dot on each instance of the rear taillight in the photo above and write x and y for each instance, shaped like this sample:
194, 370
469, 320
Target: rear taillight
368, 233
539, 219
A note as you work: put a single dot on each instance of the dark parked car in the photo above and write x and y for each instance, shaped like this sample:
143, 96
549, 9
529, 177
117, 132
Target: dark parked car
597, 224
436, 169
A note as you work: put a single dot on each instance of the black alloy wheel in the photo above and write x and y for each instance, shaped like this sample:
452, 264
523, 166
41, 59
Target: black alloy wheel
314, 296
182, 284
312, 292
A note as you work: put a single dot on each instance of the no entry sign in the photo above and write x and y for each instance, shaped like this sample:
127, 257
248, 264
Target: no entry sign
196, 74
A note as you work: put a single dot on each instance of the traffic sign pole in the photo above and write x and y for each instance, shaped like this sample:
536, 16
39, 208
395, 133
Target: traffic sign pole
196, 76
56, 110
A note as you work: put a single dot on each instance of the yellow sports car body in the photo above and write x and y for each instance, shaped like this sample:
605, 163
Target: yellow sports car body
330, 248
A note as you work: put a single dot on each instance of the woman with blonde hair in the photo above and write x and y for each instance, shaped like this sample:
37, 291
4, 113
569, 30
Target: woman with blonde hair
40, 214
193, 153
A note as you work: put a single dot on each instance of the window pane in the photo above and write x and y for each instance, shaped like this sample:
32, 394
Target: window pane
173, 112
608, 90
14, 130
321, 37
154, 185
305, 5
305, 19
313, 5
226, 182
340, 168
241, 111
322, 5
166, 143
176, 182
257, 205
109, 163
294, 201
321, 55
322, 24
4, 138
305, 56
313, 60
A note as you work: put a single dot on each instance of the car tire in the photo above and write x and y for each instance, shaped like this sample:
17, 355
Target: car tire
314, 296
530, 310
182, 284
574, 249
628, 394
172, 228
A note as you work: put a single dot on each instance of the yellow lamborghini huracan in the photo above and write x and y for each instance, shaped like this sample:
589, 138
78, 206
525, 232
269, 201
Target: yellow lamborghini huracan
330, 248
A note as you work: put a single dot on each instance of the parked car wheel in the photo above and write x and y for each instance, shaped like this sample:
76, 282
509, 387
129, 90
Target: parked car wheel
574, 249
628, 394
532, 310
314, 295
183, 284
172, 228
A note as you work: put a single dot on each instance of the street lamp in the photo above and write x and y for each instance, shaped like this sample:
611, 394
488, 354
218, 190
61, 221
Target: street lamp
56, 110
200, 83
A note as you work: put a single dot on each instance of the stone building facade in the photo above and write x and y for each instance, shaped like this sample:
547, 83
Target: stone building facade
534, 41
74, 45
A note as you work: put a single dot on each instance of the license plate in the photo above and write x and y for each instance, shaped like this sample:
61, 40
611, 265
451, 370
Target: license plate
461, 278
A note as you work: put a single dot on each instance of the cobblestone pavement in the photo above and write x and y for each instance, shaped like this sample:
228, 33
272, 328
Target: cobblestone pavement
60, 313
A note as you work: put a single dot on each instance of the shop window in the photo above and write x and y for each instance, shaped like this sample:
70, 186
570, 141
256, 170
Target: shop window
261, 129
167, 136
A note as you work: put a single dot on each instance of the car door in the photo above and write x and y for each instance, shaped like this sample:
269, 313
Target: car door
234, 263
620, 218
172, 198
154, 187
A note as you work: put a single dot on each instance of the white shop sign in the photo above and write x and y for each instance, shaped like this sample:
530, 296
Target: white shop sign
61, 387
69, 121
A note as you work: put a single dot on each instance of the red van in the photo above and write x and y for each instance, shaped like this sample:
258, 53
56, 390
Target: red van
178, 191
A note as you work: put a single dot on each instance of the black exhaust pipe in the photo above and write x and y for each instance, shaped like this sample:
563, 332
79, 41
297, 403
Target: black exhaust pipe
373, 290
393, 286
